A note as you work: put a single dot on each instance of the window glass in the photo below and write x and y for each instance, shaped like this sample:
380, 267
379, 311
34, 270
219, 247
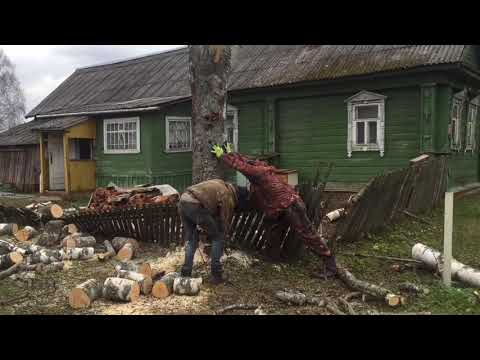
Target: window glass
179, 137
372, 132
360, 132
367, 112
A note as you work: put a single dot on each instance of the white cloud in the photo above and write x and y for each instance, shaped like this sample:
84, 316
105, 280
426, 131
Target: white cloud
41, 68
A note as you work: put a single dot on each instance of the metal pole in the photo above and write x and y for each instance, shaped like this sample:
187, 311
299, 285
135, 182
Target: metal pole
447, 239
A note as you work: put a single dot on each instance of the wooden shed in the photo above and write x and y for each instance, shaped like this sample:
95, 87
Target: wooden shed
20, 158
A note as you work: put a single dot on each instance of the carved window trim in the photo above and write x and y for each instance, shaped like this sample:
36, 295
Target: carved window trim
365, 98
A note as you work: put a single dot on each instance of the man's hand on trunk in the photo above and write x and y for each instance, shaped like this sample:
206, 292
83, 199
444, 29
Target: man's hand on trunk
217, 150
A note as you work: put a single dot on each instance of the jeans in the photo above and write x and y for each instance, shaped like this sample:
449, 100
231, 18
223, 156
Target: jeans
193, 214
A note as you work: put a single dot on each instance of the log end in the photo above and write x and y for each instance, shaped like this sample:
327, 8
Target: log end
147, 285
125, 253
160, 290
78, 299
16, 257
135, 292
145, 269
393, 300
72, 228
57, 211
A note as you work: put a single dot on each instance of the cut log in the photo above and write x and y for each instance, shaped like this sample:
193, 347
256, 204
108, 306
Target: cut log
48, 211
370, 289
84, 294
143, 268
413, 288
9, 260
433, 260
335, 214
11, 247
144, 281
109, 253
297, 298
164, 287
187, 286
44, 256
79, 240
77, 253
118, 243
51, 235
8, 229
236, 307
69, 212
70, 229
126, 253
26, 233
118, 289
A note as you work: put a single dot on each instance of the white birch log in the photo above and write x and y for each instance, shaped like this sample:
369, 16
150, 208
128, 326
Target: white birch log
118, 243
84, 294
8, 229
109, 253
187, 286
118, 289
77, 253
145, 282
9, 247
335, 214
26, 233
47, 256
141, 267
9, 260
433, 259
164, 287
78, 240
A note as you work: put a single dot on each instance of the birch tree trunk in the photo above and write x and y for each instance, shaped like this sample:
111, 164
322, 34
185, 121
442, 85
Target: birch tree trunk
209, 67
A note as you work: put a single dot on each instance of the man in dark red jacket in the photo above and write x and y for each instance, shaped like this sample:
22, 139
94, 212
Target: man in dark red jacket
278, 200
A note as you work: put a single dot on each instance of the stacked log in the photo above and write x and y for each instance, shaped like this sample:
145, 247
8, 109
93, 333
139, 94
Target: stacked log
143, 268
164, 287
126, 248
47, 256
145, 282
9, 247
26, 233
78, 240
51, 234
8, 229
119, 289
84, 294
46, 211
117, 198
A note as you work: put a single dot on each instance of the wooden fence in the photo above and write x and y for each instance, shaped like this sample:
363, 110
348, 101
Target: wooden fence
20, 168
385, 198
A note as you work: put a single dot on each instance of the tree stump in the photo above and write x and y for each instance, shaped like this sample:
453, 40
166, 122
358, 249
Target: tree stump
8, 229
26, 233
118, 289
164, 287
144, 281
84, 294
51, 235
186, 286
9, 260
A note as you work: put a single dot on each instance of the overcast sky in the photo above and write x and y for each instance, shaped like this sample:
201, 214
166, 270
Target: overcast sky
41, 68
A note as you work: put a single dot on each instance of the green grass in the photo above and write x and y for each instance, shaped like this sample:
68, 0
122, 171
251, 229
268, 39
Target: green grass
398, 240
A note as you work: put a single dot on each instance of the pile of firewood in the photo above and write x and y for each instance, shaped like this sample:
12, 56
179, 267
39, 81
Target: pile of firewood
114, 197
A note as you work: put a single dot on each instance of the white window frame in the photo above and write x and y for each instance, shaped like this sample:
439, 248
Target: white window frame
233, 111
169, 119
365, 98
471, 125
456, 142
123, 121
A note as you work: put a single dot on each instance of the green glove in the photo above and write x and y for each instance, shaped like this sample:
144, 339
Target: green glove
228, 147
217, 150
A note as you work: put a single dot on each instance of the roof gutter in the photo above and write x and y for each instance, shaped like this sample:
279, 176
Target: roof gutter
150, 108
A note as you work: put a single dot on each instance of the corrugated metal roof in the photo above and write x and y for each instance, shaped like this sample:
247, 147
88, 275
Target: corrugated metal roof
165, 75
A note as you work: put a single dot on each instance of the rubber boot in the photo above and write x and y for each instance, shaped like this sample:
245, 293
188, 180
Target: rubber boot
186, 272
330, 267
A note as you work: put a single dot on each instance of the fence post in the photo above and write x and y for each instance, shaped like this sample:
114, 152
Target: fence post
447, 239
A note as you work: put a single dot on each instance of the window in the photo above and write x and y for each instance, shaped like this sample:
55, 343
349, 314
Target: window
81, 149
455, 123
179, 134
471, 124
366, 129
231, 126
121, 135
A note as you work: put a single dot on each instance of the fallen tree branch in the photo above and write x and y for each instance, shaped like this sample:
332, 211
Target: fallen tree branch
347, 306
368, 288
236, 307
333, 308
299, 299
413, 216
389, 258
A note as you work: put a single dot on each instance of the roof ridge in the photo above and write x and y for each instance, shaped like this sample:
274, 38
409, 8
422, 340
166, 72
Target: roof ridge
177, 49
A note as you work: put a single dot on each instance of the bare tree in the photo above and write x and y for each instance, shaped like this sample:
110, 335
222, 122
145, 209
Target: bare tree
209, 68
12, 99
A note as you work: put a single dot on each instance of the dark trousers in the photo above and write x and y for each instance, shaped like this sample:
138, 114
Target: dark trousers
296, 217
193, 214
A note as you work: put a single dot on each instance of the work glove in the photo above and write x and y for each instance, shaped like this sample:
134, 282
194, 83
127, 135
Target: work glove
228, 148
217, 150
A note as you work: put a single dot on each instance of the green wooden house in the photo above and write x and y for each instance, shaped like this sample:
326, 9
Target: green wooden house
365, 108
